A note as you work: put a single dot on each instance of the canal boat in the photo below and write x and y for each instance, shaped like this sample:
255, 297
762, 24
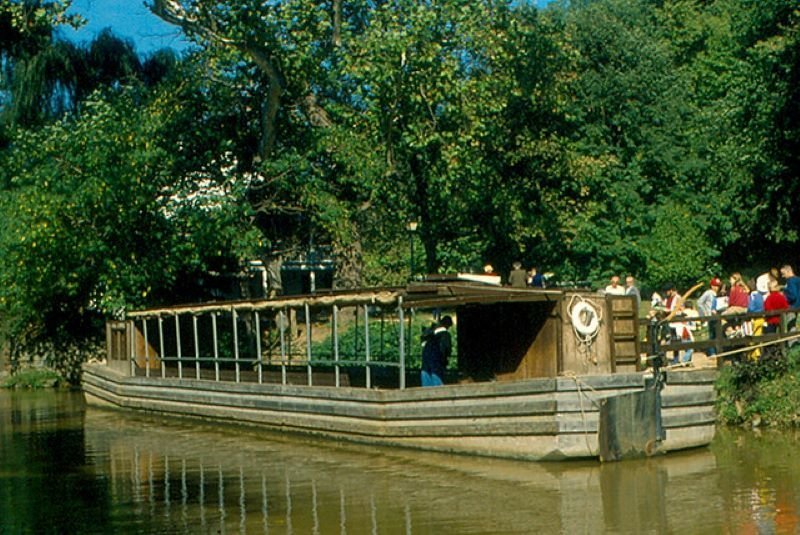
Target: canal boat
538, 374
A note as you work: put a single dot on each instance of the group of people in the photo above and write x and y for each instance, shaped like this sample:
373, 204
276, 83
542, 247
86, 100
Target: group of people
773, 291
630, 288
519, 278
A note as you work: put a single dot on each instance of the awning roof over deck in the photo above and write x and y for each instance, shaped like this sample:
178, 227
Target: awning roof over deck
452, 294
415, 295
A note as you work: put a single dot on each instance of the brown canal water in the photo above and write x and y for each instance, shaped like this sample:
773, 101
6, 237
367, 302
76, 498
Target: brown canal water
68, 468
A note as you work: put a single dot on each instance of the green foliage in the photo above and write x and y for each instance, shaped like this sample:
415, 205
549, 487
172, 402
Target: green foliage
614, 136
559, 137
677, 250
34, 378
384, 340
763, 391
94, 222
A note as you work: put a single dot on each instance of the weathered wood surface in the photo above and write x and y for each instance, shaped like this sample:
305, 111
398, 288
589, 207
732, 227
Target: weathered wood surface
508, 341
591, 359
531, 419
628, 425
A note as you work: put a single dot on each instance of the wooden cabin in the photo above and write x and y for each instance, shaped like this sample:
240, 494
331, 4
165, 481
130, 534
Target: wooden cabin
509, 334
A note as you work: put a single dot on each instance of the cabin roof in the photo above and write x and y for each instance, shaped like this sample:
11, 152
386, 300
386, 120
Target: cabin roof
450, 294
414, 295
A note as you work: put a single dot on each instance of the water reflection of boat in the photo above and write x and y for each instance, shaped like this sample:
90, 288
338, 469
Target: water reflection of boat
534, 382
207, 478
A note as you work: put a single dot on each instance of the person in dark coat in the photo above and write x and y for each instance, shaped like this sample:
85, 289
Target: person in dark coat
518, 278
435, 352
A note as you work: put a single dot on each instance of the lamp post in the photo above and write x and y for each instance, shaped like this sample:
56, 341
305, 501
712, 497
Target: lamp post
411, 227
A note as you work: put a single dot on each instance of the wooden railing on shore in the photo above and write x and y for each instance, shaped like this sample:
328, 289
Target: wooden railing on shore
718, 342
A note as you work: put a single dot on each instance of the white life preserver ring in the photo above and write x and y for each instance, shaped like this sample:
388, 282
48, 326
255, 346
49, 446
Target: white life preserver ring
584, 318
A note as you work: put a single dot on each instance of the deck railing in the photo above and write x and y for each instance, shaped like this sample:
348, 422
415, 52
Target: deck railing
271, 342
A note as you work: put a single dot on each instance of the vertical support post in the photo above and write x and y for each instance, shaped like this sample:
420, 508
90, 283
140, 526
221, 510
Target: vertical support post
282, 329
783, 329
307, 311
355, 338
402, 343
216, 345
178, 344
381, 356
258, 346
366, 346
335, 326
161, 346
196, 347
234, 317
132, 347
146, 349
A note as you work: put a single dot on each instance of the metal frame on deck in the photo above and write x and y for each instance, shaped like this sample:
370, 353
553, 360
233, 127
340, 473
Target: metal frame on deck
226, 344
242, 313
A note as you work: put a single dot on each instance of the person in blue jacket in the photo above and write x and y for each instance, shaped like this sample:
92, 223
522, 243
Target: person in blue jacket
792, 287
437, 346
792, 292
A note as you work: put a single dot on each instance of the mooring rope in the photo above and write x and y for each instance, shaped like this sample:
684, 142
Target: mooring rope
578, 382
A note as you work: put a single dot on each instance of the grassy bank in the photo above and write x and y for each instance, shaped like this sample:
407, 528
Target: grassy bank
33, 378
761, 393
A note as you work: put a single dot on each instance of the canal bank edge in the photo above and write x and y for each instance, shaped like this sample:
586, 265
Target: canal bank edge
763, 392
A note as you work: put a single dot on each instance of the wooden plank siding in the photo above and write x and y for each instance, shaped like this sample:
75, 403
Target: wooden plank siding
624, 346
531, 419
579, 358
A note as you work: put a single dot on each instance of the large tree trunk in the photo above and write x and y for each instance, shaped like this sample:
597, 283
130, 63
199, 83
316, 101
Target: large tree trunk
421, 199
271, 106
349, 263
173, 12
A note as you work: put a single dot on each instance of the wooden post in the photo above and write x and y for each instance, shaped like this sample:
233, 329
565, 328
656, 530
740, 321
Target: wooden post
401, 343
178, 344
132, 347
216, 345
196, 348
258, 346
161, 346
366, 346
235, 343
335, 327
307, 311
282, 328
146, 349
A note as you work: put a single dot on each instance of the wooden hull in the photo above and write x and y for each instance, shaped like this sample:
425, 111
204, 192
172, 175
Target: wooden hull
534, 419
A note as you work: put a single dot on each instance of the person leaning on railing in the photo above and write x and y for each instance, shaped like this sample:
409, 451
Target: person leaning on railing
738, 301
739, 295
775, 301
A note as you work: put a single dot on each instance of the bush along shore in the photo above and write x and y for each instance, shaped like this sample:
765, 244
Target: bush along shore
763, 392
33, 378
49, 364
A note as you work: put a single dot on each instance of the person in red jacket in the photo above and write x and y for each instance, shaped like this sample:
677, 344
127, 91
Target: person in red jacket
739, 295
774, 301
